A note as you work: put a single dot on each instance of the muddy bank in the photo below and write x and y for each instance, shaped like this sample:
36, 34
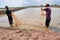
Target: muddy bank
9, 34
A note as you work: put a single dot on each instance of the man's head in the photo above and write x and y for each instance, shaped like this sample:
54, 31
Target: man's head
47, 5
7, 7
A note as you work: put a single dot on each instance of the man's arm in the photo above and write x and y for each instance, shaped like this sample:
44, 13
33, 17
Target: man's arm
42, 11
10, 13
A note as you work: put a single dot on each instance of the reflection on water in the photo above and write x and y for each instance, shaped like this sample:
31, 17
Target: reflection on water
32, 16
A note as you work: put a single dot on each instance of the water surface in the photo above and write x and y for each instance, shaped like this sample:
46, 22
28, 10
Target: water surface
32, 16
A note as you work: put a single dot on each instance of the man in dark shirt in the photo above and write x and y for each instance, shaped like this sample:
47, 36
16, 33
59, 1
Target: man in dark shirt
48, 14
9, 14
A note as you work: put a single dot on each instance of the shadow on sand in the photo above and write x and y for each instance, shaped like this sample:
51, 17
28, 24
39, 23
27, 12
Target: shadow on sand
54, 29
58, 23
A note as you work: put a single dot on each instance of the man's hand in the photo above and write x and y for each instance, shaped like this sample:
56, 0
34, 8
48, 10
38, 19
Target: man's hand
43, 14
42, 9
10, 14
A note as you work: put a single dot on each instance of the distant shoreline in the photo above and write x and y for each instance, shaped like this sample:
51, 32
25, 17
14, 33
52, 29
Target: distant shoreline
13, 9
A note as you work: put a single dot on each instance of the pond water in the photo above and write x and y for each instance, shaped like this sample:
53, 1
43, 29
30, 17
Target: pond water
32, 16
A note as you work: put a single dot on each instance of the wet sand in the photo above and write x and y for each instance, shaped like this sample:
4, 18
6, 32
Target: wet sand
9, 34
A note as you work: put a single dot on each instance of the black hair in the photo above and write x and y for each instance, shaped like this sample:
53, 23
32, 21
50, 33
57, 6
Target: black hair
6, 7
47, 5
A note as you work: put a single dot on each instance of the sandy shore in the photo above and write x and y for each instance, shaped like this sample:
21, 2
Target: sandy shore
9, 34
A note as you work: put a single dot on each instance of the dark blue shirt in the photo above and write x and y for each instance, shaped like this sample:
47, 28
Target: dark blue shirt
8, 12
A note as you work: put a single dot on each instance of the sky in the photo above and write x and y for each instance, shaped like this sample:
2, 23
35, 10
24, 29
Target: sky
20, 3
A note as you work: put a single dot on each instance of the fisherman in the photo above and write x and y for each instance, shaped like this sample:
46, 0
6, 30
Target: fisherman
9, 14
48, 14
